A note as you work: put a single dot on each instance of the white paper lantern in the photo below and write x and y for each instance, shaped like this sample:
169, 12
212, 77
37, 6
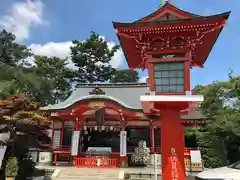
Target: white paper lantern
107, 129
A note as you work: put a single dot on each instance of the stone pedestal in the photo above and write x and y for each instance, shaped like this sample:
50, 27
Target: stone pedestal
45, 158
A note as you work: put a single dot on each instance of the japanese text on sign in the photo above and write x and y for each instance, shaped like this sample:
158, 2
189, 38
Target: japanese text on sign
174, 164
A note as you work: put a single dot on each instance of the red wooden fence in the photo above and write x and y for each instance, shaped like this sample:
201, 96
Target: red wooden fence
95, 162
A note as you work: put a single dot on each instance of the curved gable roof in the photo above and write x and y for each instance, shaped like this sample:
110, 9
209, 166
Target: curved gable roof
167, 8
126, 95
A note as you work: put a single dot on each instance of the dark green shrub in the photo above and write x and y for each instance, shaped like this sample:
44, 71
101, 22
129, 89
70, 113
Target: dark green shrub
12, 167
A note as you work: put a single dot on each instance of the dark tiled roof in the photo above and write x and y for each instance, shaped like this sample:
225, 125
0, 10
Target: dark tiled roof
126, 94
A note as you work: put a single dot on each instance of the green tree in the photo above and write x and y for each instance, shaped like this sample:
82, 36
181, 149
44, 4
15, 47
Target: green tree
125, 76
92, 58
56, 79
12, 63
20, 117
220, 137
47, 79
12, 53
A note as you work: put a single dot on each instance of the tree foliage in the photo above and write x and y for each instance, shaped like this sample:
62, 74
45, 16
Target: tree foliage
220, 138
12, 53
92, 59
56, 79
50, 79
21, 118
24, 126
125, 76
47, 79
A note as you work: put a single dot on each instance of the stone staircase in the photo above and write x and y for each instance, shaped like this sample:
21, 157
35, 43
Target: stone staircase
87, 174
71, 173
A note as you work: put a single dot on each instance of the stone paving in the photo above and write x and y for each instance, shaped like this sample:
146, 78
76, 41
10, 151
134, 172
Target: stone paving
71, 173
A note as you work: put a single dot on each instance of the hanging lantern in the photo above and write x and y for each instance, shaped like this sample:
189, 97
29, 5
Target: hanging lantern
95, 128
111, 128
90, 129
85, 128
103, 128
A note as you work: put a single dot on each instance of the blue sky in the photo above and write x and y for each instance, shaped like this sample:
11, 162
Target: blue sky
48, 26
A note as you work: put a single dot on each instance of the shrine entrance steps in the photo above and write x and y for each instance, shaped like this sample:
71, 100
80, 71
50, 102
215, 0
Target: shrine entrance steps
72, 173
87, 174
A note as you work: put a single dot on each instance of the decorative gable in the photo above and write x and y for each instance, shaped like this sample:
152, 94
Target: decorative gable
97, 91
168, 12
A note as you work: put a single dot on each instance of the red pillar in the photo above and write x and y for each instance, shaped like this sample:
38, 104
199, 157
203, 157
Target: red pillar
52, 133
61, 135
152, 149
78, 128
172, 136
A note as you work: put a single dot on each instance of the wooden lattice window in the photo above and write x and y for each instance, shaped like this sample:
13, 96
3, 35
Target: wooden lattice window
68, 129
56, 142
169, 77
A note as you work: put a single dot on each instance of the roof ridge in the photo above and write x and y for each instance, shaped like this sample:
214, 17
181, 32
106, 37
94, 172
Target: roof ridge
110, 84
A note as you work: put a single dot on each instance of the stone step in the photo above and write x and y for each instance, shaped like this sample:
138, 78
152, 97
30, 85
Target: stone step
84, 178
99, 173
92, 175
88, 174
111, 171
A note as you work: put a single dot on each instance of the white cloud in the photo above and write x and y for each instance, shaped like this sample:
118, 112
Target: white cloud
62, 50
21, 17
117, 60
58, 49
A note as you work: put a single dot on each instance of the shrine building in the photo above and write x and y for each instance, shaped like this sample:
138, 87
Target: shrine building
104, 110
168, 43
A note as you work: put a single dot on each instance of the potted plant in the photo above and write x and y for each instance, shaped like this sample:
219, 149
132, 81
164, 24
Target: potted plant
11, 168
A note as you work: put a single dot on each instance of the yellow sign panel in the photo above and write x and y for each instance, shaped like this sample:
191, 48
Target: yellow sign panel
96, 104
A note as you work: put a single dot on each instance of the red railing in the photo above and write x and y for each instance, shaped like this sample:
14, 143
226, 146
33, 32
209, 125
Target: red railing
95, 162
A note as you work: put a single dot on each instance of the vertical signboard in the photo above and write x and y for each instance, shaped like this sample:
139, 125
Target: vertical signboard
155, 167
75, 143
123, 143
174, 162
56, 138
2, 153
195, 156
